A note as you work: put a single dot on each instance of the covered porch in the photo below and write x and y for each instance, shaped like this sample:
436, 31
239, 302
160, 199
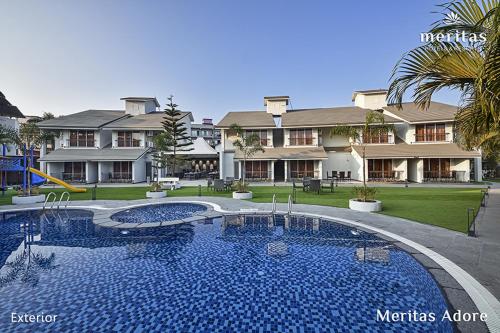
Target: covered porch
282, 164
420, 163
96, 165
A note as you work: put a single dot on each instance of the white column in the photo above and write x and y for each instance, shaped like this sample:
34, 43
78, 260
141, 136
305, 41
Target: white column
272, 171
320, 169
99, 172
133, 172
478, 168
286, 170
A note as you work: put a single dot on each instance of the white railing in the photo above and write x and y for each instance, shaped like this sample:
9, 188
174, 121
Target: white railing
47, 200
290, 204
60, 199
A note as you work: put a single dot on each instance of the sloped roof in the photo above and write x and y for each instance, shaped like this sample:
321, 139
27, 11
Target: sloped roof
200, 148
411, 113
7, 109
84, 154
148, 121
90, 119
247, 119
323, 117
283, 153
404, 150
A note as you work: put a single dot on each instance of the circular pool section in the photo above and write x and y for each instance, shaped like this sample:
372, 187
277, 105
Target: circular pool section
158, 213
231, 274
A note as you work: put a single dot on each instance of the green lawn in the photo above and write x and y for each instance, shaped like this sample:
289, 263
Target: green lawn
445, 207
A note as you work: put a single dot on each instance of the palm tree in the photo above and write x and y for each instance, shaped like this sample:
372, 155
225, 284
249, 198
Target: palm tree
472, 67
248, 145
374, 126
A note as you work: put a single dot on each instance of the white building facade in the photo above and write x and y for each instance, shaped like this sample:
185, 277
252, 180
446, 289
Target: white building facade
298, 143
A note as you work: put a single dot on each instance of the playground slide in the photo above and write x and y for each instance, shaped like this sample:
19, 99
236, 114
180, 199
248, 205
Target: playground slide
58, 181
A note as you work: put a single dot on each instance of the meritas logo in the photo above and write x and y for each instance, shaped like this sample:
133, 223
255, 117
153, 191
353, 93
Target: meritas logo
452, 19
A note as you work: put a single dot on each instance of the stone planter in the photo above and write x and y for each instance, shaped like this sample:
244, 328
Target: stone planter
369, 206
18, 200
156, 195
242, 195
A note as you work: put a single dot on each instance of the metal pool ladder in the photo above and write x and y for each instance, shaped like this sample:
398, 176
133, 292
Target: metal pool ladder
290, 204
274, 204
60, 199
47, 200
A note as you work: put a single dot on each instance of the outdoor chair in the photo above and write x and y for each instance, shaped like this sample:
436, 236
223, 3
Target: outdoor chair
306, 181
329, 183
334, 174
315, 185
328, 175
210, 184
219, 185
341, 176
294, 185
348, 178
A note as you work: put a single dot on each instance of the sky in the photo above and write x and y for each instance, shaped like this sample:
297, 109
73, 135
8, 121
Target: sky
214, 56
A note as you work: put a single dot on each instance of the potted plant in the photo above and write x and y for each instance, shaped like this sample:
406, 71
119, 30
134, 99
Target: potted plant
374, 125
155, 191
248, 145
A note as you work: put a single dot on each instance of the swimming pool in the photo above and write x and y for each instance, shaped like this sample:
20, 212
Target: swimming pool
235, 273
158, 213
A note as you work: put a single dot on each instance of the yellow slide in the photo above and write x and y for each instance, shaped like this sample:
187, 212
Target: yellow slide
58, 181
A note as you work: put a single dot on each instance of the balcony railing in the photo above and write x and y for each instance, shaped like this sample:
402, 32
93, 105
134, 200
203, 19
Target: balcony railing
116, 177
127, 143
377, 139
301, 141
81, 143
265, 174
444, 176
433, 137
70, 177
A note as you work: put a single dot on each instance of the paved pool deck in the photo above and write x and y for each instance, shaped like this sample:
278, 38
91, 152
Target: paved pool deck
479, 256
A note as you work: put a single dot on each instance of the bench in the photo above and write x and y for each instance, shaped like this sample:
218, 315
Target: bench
171, 183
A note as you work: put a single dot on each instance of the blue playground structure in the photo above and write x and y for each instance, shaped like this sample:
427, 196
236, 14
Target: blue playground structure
18, 163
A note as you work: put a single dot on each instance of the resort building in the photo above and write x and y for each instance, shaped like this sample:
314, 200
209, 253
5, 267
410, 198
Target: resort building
207, 131
298, 143
106, 145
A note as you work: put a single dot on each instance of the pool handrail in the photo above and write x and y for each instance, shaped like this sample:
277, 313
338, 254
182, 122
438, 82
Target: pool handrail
274, 203
61, 197
289, 204
47, 199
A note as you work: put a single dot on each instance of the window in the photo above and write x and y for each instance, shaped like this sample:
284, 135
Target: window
303, 168
376, 137
122, 170
128, 139
301, 137
74, 171
81, 138
262, 134
436, 168
380, 169
256, 169
430, 132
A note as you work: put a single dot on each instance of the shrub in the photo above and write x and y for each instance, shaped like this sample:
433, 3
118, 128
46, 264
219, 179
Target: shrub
241, 186
156, 187
364, 193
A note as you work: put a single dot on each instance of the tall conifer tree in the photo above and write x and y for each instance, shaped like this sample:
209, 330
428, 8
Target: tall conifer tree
174, 128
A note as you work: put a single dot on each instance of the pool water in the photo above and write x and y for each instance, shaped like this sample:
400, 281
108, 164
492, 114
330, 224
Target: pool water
230, 274
158, 213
